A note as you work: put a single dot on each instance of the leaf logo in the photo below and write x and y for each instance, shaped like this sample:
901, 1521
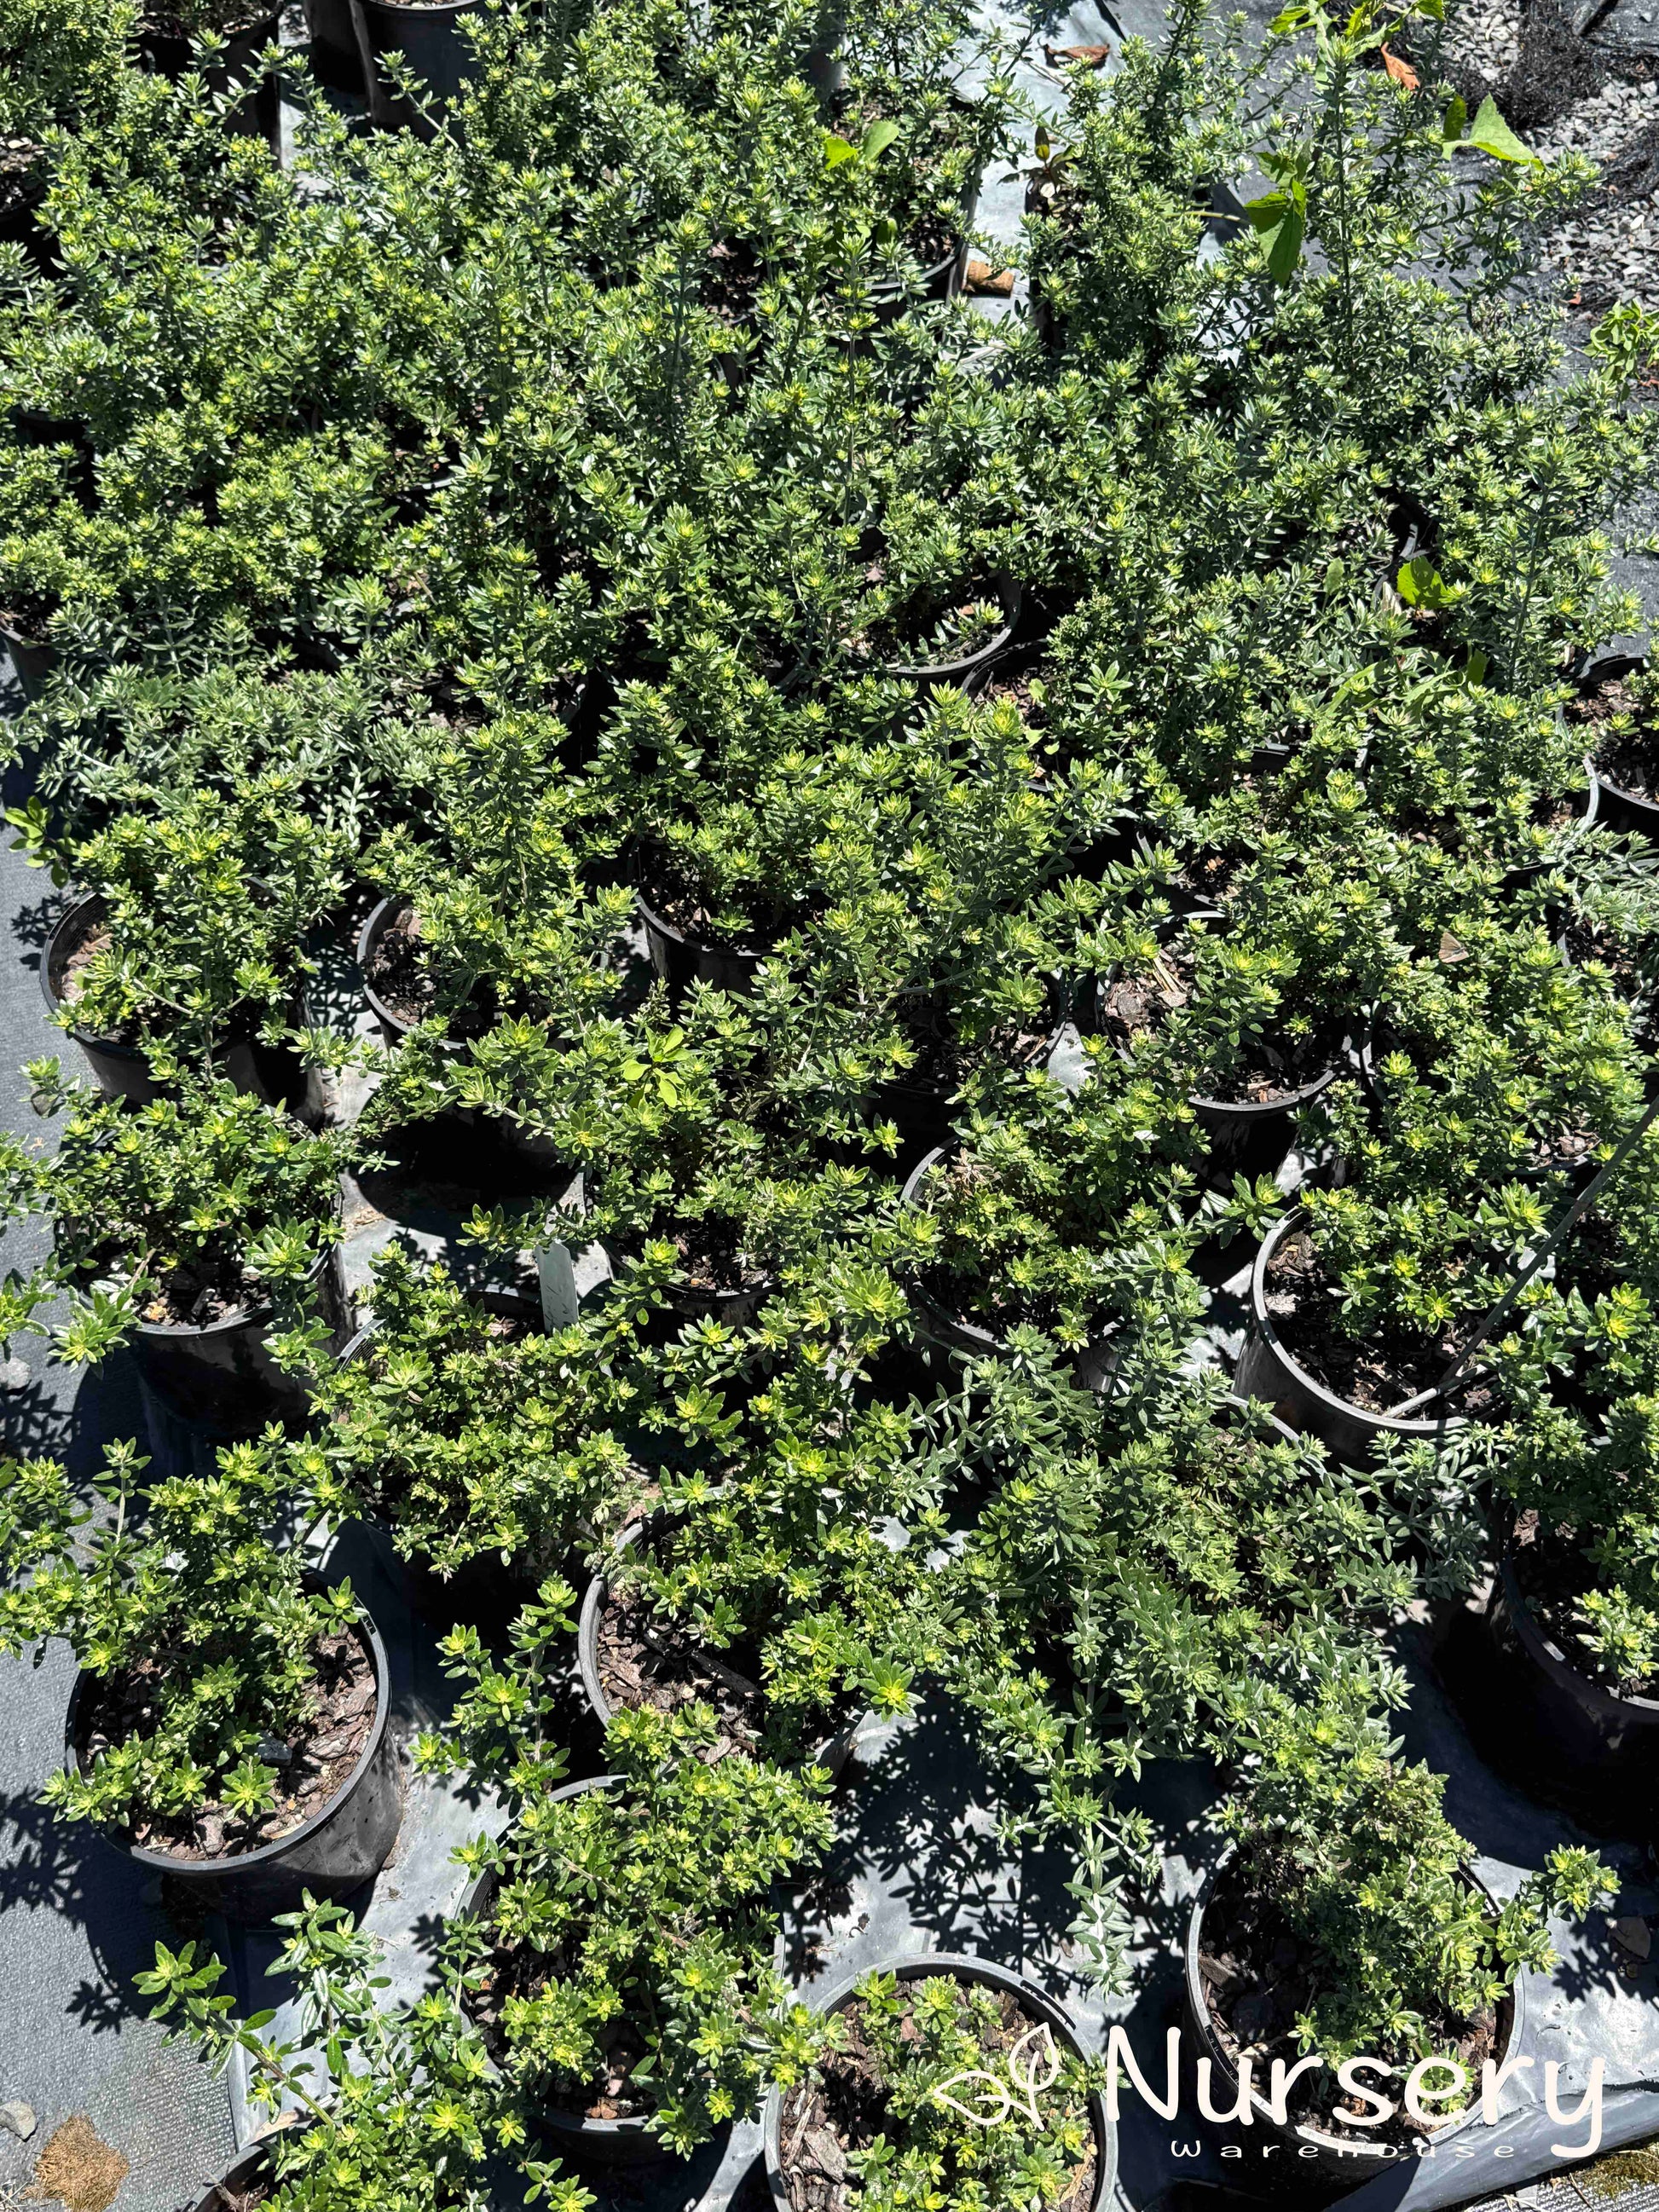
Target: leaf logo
1033, 2065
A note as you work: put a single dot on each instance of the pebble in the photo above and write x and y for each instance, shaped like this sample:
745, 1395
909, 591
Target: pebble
19, 2118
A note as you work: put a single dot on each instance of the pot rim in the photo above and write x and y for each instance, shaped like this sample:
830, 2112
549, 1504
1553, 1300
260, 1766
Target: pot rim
1385, 1424
246, 1317
78, 913
267, 1854
1608, 664
1628, 797
399, 9
1362, 2151
67, 931
1011, 593
375, 925
1244, 1109
1546, 1652
963, 1966
716, 946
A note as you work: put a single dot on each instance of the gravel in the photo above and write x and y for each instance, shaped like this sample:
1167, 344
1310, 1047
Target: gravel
1607, 252
1486, 34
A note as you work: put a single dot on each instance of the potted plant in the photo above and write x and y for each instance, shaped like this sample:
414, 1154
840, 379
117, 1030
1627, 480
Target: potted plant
700, 1602
1346, 1922
648, 1884
489, 953
943, 2073
62, 67
1090, 1638
194, 1227
969, 635
1613, 712
1339, 1367
486, 1445
406, 2112
1491, 1076
178, 955
229, 1726
1265, 1042
1571, 1655
1006, 1238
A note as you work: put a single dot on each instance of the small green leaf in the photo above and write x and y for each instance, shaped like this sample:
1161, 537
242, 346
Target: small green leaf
1492, 135
1277, 219
1420, 584
838, 149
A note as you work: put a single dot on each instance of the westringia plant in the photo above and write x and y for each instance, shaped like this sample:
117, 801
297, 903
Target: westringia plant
201, 1636
407, 2110
960, 2096
1352, 1852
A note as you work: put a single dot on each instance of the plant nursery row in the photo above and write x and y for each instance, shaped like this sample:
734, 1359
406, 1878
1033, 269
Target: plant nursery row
935, 844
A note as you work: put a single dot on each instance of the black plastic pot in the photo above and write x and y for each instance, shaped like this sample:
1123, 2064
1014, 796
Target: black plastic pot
920, 1111
330, 1855
1244, 1136
1563, 1737
335, 54
958, 1967
32, 661
625, 2142
273, 1073
239, 66
430, 41
247, 2167
833, 1752
970, 667
223, 1376
1267, 1370
21, 198
822, 64
1617, 808
1093, 1366
682, 960
1348, 2159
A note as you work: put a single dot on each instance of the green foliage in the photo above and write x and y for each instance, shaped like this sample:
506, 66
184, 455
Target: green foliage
628, 1934
186, 1211
497, 520
1355, 1850
185, 1592
972, 2100
404, 2108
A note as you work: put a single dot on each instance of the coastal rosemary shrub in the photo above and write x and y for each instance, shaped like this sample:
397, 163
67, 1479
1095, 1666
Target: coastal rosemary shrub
582, 500
201, 1639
